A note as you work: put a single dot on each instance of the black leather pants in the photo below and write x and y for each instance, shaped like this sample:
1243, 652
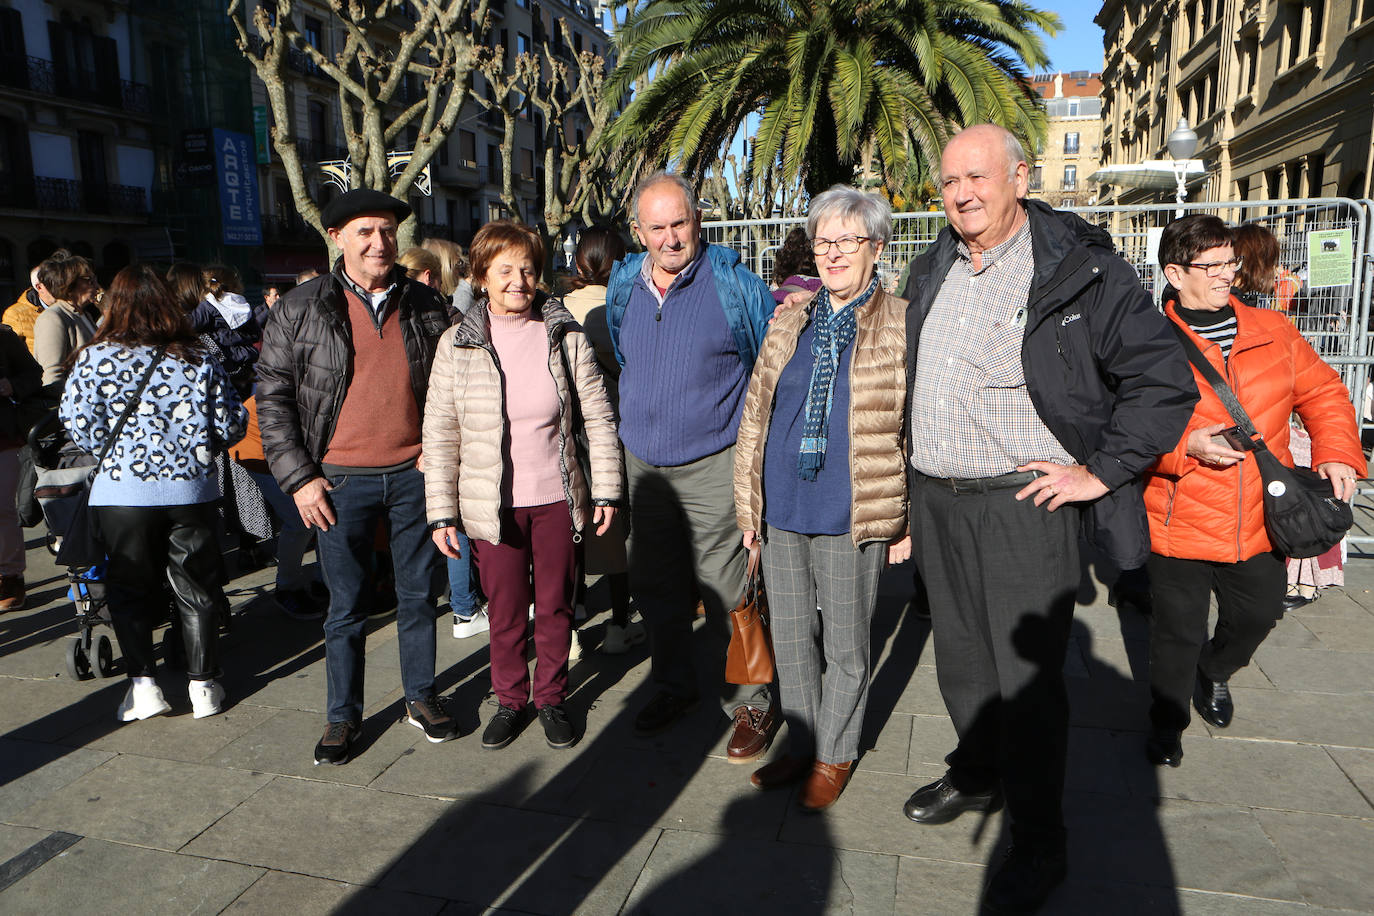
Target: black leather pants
149, 545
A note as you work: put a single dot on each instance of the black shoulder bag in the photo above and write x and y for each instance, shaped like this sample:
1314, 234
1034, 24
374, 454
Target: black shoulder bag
1302, 514
81, 542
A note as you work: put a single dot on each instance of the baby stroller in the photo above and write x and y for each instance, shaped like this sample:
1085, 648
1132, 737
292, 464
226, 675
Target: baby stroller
62, 469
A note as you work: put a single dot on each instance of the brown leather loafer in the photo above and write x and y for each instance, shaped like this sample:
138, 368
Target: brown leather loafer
753, 733
824, 785
781, 772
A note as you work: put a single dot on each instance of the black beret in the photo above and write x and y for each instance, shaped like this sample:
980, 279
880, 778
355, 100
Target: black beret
359, 201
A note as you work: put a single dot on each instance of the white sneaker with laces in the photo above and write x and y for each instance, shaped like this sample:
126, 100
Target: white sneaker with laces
144, 700
620, 640
207, 699
473, 626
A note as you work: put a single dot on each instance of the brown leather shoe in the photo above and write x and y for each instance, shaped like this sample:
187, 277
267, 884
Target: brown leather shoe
824, 785
781, 772
12, 593
753, 733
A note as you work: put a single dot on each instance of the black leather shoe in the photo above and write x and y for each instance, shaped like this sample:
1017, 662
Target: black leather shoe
1164, 747
663, 710
1025, 880
1212, 700
1293, 602
504, 726
940, 803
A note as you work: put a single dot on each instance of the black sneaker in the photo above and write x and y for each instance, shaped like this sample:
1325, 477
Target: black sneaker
429, 716
1025, 880
298, 605
663, 710
502, 728
558, 731
336, 747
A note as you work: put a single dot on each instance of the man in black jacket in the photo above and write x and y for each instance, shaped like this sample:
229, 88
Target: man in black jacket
341, 392
1042, 381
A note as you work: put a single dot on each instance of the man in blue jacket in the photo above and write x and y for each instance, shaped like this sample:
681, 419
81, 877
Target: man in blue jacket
686, 320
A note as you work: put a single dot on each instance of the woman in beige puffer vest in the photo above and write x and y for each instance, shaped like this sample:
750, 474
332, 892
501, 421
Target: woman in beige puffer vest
512, 387
819, 480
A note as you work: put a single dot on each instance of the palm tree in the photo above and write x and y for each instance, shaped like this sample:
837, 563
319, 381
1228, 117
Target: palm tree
837, 88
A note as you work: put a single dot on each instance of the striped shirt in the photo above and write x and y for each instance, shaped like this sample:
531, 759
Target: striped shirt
971, 414
1218, 327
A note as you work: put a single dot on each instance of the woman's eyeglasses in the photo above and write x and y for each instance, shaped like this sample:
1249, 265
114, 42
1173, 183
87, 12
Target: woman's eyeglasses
850, 244
1214, 268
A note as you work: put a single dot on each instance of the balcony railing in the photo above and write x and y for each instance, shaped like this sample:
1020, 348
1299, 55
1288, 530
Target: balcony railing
42, 76
71, 196
296, 59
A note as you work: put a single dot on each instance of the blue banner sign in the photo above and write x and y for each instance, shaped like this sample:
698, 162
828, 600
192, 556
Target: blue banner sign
238, 188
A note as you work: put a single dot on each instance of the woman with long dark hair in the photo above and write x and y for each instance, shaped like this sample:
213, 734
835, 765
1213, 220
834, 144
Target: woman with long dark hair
153, 495
598, 248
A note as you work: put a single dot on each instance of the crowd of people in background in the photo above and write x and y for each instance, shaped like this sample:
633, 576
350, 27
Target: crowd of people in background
444, 429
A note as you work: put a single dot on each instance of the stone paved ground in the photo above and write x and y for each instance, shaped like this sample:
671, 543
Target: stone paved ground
1270, 817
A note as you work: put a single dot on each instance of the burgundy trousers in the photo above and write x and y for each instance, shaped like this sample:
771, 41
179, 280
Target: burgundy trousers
536, 539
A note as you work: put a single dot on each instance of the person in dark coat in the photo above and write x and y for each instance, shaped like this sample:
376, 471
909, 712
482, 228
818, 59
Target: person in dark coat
1042, 382
342, 381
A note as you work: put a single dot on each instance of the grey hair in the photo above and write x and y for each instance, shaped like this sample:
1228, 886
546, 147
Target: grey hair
663, 176
843, 202
1016, 154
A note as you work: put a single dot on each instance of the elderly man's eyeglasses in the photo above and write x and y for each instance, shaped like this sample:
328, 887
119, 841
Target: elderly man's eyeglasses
1217, 268
850, 244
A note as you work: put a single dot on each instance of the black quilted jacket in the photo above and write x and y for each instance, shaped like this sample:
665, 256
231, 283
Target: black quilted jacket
306, 366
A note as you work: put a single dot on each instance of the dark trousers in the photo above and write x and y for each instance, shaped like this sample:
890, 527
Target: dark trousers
1002, 576
684, 542
537, 538
149, 545
1249, 603
345, 552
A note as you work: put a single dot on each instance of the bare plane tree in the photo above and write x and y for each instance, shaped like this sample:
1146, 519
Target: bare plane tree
401, 64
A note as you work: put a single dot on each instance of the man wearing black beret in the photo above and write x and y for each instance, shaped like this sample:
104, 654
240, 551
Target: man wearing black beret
341, 393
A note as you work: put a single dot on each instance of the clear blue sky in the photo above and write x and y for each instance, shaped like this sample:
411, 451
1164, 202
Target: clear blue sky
1079, 43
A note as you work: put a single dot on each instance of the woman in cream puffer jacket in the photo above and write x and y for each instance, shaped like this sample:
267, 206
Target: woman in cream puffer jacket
820, 482
513, 387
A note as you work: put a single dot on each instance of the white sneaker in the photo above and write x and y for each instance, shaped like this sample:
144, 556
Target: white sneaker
473, 626
620, 640
531, 610
207, 698
143, 701
575, 647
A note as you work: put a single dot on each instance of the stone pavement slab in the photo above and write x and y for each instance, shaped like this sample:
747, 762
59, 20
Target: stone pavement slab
321, 829
1317, 670
98, 876
1329, 857
14, 840
276, 893
1308, 718
690, 874
524, 860
284, 744
31, 770
1358, 766
143, 801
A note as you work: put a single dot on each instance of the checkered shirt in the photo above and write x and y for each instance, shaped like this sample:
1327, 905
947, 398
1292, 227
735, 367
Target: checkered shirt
971, 415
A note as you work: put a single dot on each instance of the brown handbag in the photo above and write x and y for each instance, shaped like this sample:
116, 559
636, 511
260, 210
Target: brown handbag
749, 659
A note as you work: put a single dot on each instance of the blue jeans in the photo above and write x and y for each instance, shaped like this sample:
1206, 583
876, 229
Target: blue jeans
462, 591
345, 552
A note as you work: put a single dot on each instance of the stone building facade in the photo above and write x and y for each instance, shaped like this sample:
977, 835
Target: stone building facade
1073, 143
1279, 91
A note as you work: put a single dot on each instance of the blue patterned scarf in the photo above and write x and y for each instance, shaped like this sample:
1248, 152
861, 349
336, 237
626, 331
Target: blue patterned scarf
834, 333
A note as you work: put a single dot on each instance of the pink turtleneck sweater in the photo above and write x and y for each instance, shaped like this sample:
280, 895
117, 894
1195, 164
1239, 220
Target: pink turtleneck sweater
522, 346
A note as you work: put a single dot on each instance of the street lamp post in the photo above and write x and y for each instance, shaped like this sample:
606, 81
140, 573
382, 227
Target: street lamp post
1182, 144
569, 248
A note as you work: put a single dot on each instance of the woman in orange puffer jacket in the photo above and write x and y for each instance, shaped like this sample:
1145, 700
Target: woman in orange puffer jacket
1205, 499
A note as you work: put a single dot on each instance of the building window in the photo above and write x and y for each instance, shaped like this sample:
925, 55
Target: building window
1071, 143
1070, 178
1249, 62
1316, 172
522, 43
467, 148
1302, 25
1035, 178
443, 152
526, 163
